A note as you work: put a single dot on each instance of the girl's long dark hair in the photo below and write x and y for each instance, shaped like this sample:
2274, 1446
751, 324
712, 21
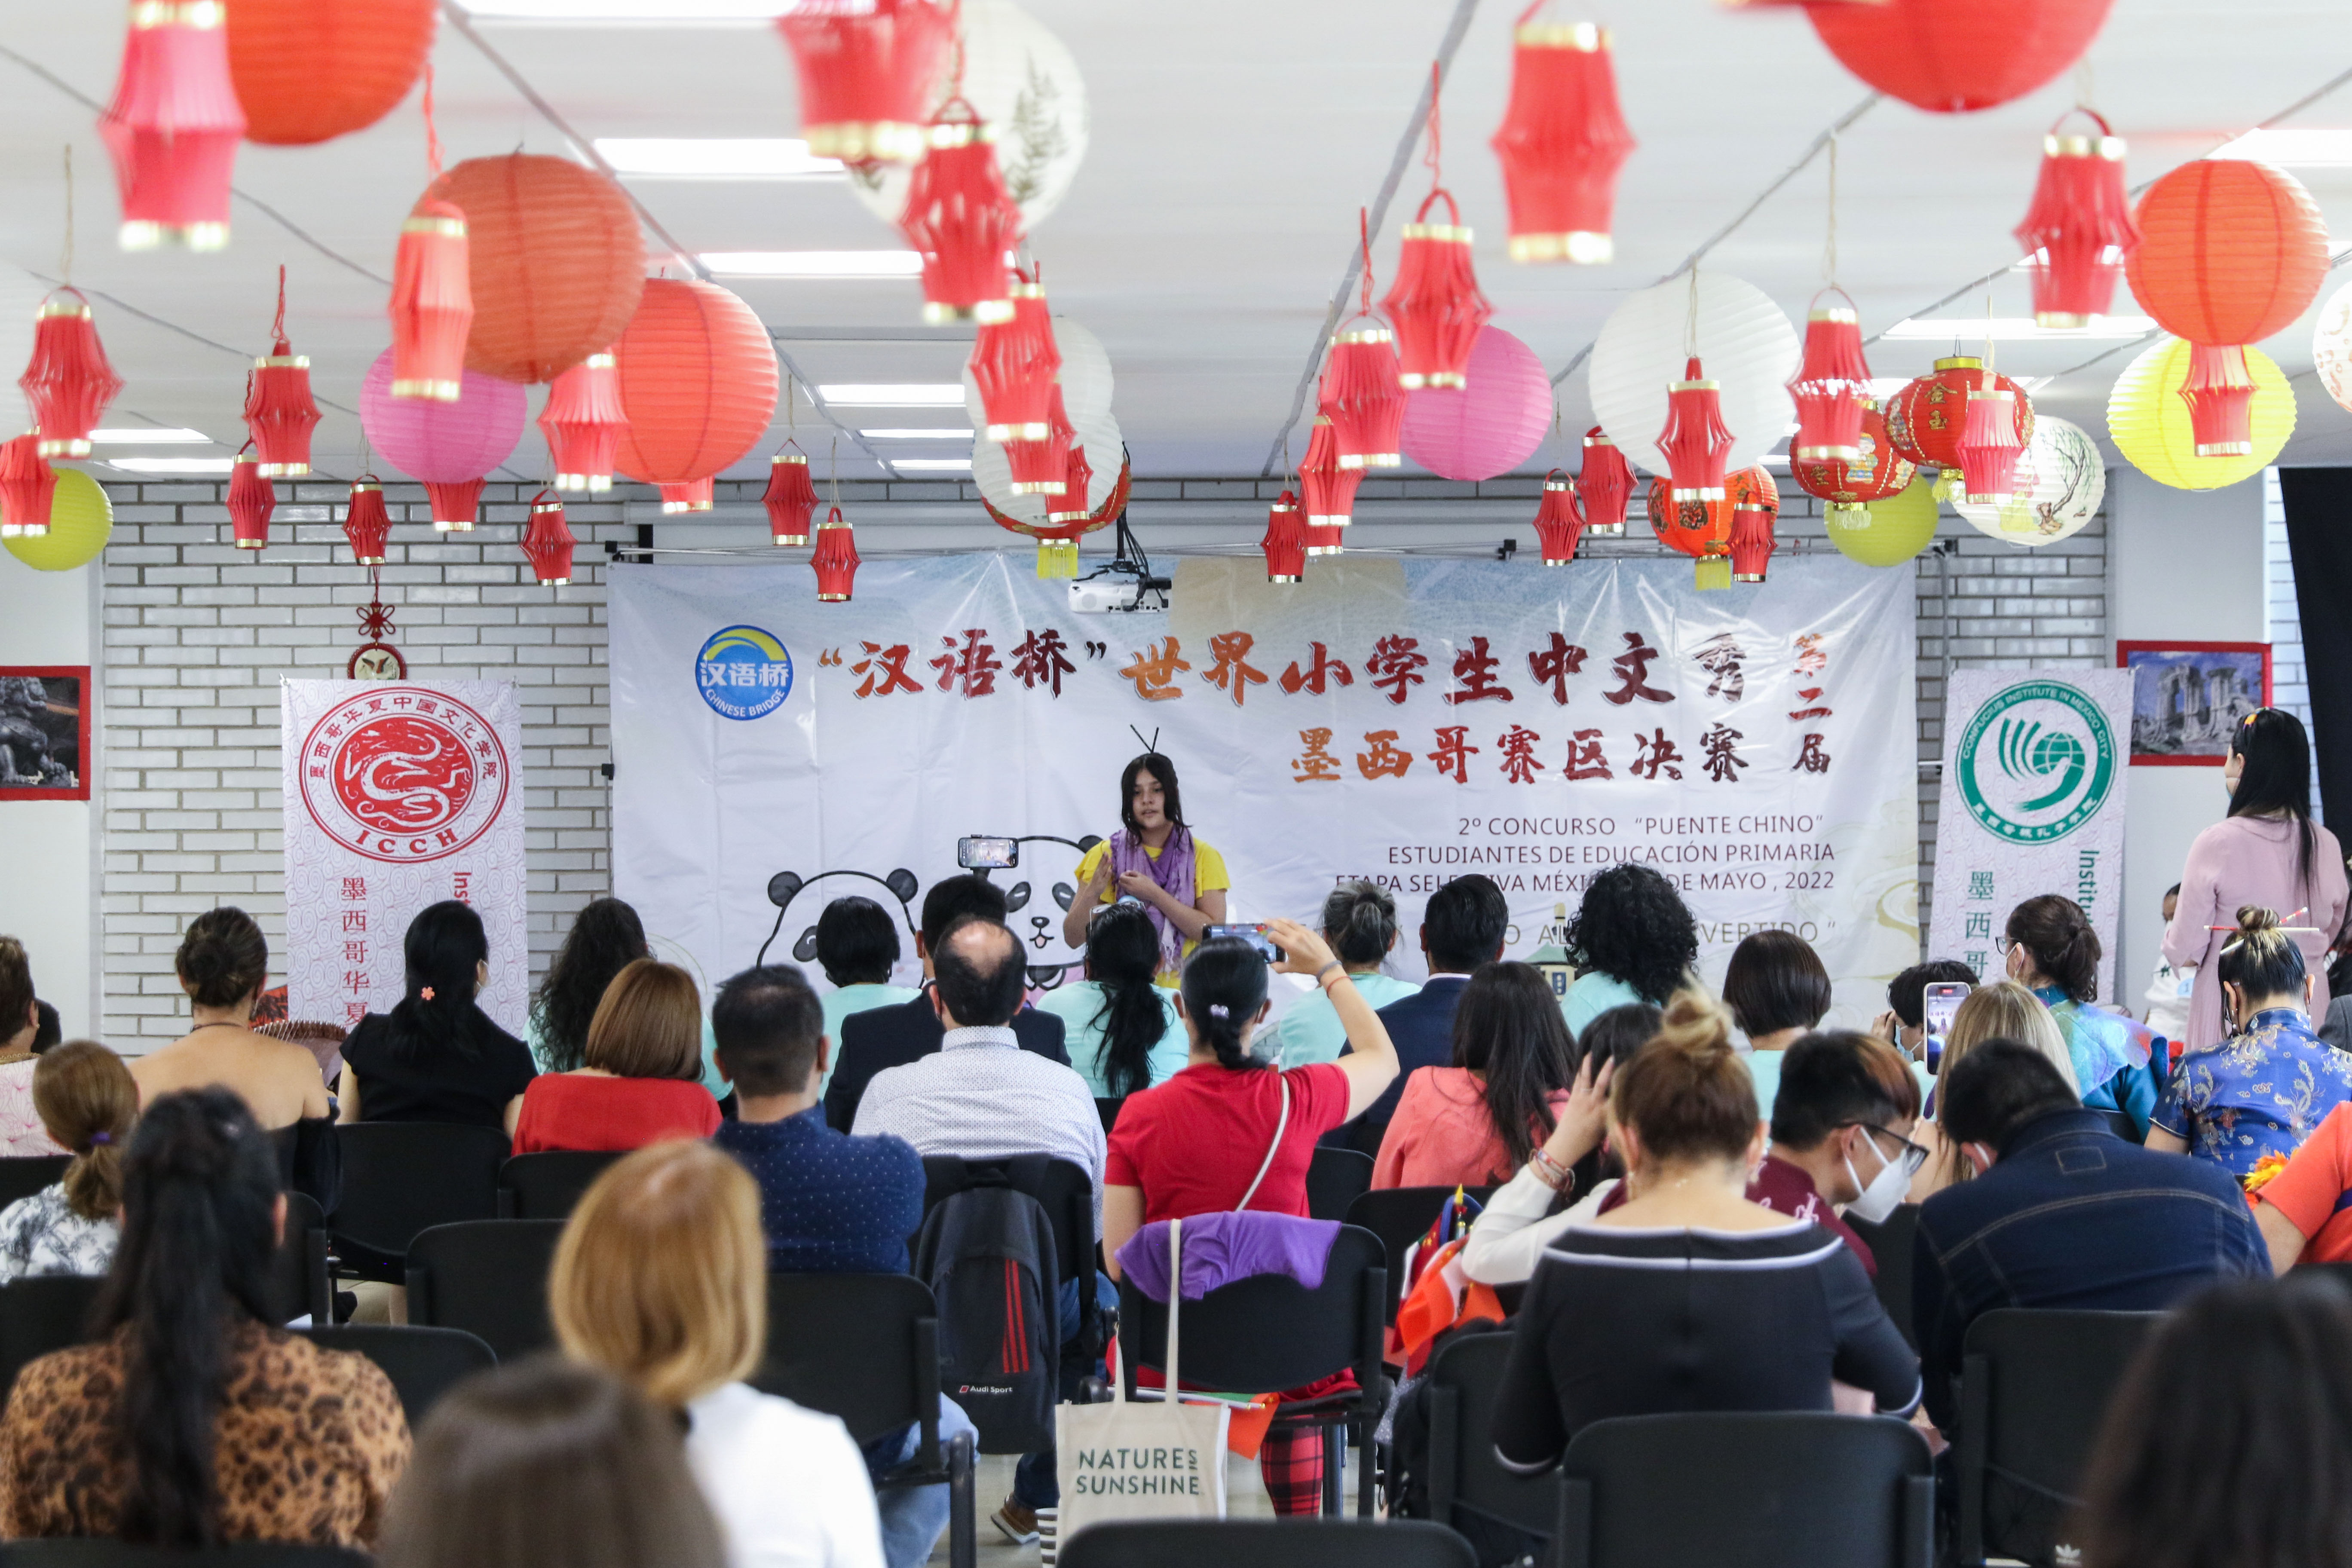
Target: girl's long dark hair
1508, 1026
1225, 985
2276, 776
200, 1195
606, 937
444, 943
1122, 955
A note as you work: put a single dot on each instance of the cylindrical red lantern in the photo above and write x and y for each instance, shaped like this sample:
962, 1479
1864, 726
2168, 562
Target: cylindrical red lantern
1702, 530
1434, 304
1753, 514
790, 497
173, 126
1925, 420
1606, 485
251, 499
548, 541
1989, 447
457, 504
1563, 141
694, 495
1043, 467
1070, 506
866, 67
2231, 251
1364, 399
2079, 229
836, 559
28, 487
1286, 541
1327, 491
698, 376
280, 412
962, 221
1851, 484
1014, 364
67, 383
1559, 521
1696, 440
432, 303
2220, 393
1953, 56
308, 70
1831, 385
583, 423
366, 521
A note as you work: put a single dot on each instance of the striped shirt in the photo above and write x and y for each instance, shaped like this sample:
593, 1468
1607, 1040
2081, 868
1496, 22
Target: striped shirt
982, 1097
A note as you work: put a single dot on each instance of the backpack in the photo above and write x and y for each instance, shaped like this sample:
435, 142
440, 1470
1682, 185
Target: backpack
987, 1253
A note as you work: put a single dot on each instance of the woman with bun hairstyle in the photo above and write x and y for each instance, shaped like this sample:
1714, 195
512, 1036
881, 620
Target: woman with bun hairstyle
1360, 921
87, 1102
436, 1056
2051, 949
1688, 1297
2267, 853
1120, 1030
2249, 1101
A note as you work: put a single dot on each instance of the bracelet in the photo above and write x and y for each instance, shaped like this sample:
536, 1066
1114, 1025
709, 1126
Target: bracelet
1326, 969
1551, 1173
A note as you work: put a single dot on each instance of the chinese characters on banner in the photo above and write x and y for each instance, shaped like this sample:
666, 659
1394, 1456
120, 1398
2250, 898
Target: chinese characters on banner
398, 797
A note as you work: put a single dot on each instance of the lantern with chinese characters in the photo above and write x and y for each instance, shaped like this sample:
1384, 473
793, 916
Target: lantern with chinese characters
1753, 514
1696, 439
1012, 367
2080, 228
1491, 425
1927, 420
694, 495
962, 222
280, 412
251, 500
1849, 485
2150, 425
1328, 491
308, 70
547, 540
1990, 443
1434, 303
791, 499
1562, 140
2231, 251
865, 72
448, 446
173, 126
583, 423
697, 376
1953, 57
1831, 385
366, 521
1362, 398
68, 382
1703, 528
836, 559
432, 303
1558, 520
1285, 539
28, 486
1606, 485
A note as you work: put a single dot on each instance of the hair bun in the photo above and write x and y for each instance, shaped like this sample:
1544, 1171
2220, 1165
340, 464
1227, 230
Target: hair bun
2252, 918
1696, 1024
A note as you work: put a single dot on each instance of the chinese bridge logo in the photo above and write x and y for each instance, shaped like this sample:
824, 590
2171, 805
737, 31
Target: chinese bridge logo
404, 776
743, 672
2036, 763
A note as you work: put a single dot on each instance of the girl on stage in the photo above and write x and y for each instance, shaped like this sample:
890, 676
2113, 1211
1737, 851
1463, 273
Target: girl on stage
1154, 859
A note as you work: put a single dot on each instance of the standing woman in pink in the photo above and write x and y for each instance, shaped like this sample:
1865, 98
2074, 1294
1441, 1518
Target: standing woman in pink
2266, 852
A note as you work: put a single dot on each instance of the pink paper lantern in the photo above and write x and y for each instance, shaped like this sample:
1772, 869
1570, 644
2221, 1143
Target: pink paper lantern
1488, 427
448, 446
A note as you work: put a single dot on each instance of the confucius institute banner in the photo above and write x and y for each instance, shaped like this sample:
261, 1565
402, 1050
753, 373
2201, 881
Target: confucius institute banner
1404, 720
398, 797
2033, 802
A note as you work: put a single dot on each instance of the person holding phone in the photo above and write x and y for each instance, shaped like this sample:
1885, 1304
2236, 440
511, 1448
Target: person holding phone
1154, 859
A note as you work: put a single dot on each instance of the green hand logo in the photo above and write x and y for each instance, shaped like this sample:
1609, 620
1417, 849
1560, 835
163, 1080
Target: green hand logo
2027, 752
2067, 762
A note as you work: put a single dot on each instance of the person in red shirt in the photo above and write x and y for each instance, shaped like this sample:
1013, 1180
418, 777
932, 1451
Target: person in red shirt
1842, 1123
642, 1079
2304, 1212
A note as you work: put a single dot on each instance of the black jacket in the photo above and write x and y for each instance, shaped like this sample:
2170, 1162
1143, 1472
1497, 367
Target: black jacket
884, 1037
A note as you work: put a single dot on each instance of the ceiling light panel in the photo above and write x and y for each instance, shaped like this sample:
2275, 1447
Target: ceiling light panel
716, 158
2006, 329
814, 265
140, 436
173, 465
906, 395
627, 13
938, 434
933, 464
2292, 148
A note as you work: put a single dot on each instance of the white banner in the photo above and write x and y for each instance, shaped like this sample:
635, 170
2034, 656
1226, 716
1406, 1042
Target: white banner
398, 797
2033, 802
1408, 721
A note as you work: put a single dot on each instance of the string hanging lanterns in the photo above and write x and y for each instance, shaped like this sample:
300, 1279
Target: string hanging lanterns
1953, 57
432, 306
1328, 491
1927, 420
836, 559
1696, 439
1563, 141
279, 413
174, 125
582, 421
961, 221
548, 541
1558, 520
2079, 227
1285, 543
1012, 367
27, 488
1752, 517
308, 70
2150, 424
1749, 347
367, 522
67, 383
791, 499
1850, 485
449, 446
251, 500
80, 519
866, 69
1361, 392
1831, 384
1434, 304
1605, 483
698, 376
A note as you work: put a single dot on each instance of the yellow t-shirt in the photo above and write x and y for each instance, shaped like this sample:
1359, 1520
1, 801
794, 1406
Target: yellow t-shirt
1208, 877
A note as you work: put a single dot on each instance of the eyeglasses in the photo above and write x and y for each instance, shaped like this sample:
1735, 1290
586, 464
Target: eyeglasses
2001, 944
1912, 1155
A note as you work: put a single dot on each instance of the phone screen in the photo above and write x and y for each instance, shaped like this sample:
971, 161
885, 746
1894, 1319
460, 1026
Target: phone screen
971, 853
1253, 934
1940, 1002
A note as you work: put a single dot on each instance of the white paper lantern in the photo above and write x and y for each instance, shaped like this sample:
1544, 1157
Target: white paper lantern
2331, 346
1747, 347
2061, 480
1105, 446
1086, 377
1025, 84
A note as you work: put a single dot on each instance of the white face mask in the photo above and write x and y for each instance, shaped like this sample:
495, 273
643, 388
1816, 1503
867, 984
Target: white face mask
1885, 1192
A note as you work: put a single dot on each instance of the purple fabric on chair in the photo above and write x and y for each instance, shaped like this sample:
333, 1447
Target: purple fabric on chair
1220, 1248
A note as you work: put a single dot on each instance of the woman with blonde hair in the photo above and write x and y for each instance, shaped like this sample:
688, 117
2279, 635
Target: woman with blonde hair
661, 1278
88, 1101
2003, 1010
641, 1079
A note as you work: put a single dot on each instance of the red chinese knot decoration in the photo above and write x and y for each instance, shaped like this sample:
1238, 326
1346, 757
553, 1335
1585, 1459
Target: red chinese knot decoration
960, 220
67, 383
2079, 229
583, 423
1559, 521
1285, 539
173, 126
1831, 385
836, 559
28, 487
367, 524
1434, 304
866, 71
251, 499
1696, 440
1563, 141
1606, 485
548, 541
432, 303
791, 499
1952, 56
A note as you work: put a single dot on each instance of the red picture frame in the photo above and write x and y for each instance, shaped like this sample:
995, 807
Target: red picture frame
78, 702
2187, 696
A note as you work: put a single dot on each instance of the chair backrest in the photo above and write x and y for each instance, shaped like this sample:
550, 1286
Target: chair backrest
1268, 1332
22, 1175
1890, 1242
422, 1362
487, 1277
1401, 1216
297, 1271
548, 1184
2034, 1386
1267, 1543
862, 1347
1063, 1189
1746, 1489
1465, 1382
48, 1312
401, 1177
1336, 1178
90, 1553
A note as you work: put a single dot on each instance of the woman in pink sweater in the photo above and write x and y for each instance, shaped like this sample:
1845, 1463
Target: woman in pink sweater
1477, 1123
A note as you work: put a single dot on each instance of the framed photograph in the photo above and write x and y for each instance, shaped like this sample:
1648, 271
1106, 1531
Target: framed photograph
2187, 696
46, 712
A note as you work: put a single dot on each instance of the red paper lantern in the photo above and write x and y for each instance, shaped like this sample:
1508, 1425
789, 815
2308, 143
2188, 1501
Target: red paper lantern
1925, 420
1043, 467
457, 504
1558, 520
173, 126
432, 303
1434, 304
251, 499
2220, 397
836, 559
67, 383
548, 541
1831, 385
2080, 228
865, 72
1013, 363
1286, 541
309, 70
555, 266
1990, 446
962, 221
1953, 56
1364, 399
367, 524
1070, 506
1849, 484
698, 376
694, 495
1702, 530
28, 487
1606, 485
280, 412
1752, 543
1327, 491
583, 423
790, 497
1696, 440
1563, 141
2231, 251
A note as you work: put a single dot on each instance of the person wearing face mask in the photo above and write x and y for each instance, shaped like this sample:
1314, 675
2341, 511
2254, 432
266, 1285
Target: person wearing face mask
2049, 946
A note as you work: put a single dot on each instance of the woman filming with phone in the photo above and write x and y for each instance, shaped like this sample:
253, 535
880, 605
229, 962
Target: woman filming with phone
1154, 859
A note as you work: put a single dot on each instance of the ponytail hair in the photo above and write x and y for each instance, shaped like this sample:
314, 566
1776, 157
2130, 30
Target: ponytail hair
1122, 957
2274, 777
224, 958
89, 1102
2261, 960
2064, 946
1223, 986
1686, 1095
444, 946
1360, 921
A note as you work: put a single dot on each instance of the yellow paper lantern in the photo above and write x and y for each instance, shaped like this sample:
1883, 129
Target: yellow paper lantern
79, 520
1885, 532
2148, 420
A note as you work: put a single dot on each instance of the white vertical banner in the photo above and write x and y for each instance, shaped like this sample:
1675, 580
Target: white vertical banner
2033, 802
398, 797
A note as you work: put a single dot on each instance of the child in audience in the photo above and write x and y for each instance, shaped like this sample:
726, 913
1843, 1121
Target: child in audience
437, 1056
605, 938
1778, 992
641, 1078
1480, 1120
88, 1101
857, 947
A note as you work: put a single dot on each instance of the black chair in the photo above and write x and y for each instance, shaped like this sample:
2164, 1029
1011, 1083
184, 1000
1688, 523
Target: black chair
299, 1285
1266, 1544
487, 1277
1401, 1216
423, 1364
48, 1312
1890, 1242
865, 1348
78, 1553
1066, 1192
1749, 1489
1469, 1489
2034, 1386
1108, 1109
401, 1177
22, 1175
1268, 1333
548, 1185
1335, 1179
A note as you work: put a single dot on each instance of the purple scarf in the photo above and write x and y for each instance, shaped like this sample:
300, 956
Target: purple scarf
1173, 873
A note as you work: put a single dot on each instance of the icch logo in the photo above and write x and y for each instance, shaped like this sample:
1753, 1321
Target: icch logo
743, 672
2037, 762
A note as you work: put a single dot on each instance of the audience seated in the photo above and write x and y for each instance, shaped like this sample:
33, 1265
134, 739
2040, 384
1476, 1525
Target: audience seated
2305, 1209
436, 1056
2003, 1010
1360, 921
641, 1078
1118, 1025
549, 1465
49, 1031
1464, 926
1476, 1122
605, 938
21, 1132
2061, 1213
89, 1102
190, 1421
858, 946
883, 1037
1905, 1023
1631, 939
2053, 949
1779, 993
661, 1278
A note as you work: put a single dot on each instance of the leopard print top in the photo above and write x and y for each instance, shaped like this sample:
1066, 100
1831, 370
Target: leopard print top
308, 1445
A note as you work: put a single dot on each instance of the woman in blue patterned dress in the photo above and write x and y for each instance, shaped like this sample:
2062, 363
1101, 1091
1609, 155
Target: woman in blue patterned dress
2051, 949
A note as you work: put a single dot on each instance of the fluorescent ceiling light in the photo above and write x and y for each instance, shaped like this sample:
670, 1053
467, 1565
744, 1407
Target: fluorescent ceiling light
1978, 329
173, 465
141, 437
628, 13
2292, 148
813, 264
916, 395
938, 434
716, 158
942, 465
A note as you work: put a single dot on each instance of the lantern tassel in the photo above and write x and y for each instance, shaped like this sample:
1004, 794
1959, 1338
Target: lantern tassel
2220, 397
1606, 485
2079, 227
791, 499
432, 303
1696, 440
1559, 520
961, 219
1563, 142
583, 423
1831, 385
836, 559
1285, 543
547, 543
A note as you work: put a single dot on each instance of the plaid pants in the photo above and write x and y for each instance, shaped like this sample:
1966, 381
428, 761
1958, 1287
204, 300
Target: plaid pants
1291, 1461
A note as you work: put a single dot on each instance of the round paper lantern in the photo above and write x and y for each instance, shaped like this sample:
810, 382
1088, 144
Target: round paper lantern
308, 70
1489, 426
79, 520
1953, 55
2230, 251
1926, 419
1878, 472
2149, 423
2061, 480
448, 446
698, 380
1085, 374
2331, 346
1747, 345
1889, 530
555, 262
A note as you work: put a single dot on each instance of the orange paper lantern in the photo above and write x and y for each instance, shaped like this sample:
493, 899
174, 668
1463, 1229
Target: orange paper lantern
2231, 251
309, 70
698, 376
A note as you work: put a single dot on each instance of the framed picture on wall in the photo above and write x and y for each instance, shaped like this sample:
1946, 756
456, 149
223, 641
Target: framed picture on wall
46, 716
2187, 696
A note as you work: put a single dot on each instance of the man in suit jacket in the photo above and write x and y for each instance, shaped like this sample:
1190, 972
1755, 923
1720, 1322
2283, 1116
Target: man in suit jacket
884, 1037
1464, 926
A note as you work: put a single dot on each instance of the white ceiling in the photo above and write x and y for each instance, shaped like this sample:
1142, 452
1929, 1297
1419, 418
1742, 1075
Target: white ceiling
1233, 142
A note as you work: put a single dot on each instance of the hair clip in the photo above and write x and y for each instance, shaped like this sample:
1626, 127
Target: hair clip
1218, 1010
101, 1137
424, 992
